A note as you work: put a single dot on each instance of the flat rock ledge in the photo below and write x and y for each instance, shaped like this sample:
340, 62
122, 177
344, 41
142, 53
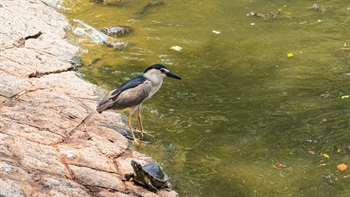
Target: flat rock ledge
52, 142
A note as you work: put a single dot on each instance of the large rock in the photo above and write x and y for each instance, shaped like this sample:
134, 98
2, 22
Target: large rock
52, 140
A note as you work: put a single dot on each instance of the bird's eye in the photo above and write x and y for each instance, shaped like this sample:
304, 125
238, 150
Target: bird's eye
162, 70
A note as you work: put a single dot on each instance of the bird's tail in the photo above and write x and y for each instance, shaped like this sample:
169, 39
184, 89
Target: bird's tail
104, 105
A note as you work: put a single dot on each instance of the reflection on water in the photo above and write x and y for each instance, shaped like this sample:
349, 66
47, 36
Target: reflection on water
246, 120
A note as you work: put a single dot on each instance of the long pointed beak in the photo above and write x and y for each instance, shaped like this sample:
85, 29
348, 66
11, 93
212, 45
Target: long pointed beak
172, 75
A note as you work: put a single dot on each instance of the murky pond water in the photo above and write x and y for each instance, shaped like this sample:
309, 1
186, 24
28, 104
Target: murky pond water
246, 120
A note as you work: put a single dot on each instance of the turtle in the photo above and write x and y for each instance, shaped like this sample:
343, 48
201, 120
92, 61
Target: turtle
117, 31
151, 176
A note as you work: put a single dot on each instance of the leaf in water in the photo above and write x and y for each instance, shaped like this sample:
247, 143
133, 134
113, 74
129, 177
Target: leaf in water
345, 96
280, 164
311, 152
342, 167
325, 155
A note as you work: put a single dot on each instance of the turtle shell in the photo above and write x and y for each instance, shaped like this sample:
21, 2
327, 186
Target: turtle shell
155, 174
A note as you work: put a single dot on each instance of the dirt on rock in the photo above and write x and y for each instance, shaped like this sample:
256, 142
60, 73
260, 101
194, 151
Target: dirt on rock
52, 141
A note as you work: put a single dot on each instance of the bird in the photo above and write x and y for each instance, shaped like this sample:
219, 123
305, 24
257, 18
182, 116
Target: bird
132, 93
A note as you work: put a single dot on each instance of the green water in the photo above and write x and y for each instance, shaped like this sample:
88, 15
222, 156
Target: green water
243, 109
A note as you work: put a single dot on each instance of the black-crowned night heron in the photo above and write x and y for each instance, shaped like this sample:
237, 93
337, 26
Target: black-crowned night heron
133, 92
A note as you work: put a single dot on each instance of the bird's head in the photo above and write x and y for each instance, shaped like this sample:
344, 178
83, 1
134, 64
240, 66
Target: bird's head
160, 70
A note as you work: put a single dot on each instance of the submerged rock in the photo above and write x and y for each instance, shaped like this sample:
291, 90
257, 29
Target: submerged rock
270, 15
111, 2
120, 46
150, 4
117, 31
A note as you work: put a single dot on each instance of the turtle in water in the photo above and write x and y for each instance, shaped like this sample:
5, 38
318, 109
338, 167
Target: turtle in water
117, 31
151, 176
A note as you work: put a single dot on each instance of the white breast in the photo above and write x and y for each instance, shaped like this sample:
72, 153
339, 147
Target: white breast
156, 79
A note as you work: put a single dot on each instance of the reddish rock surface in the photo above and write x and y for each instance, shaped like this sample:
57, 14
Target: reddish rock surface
52, 141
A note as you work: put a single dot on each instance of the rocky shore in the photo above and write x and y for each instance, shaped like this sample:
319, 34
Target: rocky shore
52, 142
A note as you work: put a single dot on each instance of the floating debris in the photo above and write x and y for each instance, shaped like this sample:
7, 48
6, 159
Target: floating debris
311, 152
311, 141
345, 97
325, 155
280, 164
325, 95
342, 167
176, 48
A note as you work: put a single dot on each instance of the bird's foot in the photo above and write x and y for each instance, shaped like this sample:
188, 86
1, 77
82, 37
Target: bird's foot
136, 142
139, 142
146, 133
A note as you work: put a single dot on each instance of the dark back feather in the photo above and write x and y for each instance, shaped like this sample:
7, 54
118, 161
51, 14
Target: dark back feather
106, 103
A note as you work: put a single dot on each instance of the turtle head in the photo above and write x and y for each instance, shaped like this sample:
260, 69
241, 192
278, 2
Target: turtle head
137, 166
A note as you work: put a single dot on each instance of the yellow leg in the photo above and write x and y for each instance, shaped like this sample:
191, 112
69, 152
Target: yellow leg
140, 121
132, 110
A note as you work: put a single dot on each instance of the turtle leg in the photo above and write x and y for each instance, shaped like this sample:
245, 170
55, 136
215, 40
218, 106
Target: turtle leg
132, 110
149, 185
168, 186
128, 176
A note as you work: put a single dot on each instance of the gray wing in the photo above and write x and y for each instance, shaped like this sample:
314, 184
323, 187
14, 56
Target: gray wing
130, 93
